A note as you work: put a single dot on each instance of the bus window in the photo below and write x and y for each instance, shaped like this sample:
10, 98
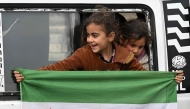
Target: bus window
36, 35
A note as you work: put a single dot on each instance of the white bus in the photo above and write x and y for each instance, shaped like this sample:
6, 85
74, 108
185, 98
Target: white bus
49, 30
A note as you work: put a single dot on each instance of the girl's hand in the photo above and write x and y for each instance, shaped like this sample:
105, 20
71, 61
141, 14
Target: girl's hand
18, 76
179, 76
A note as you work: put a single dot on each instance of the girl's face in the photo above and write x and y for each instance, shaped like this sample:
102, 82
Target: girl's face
135, 46
97, 38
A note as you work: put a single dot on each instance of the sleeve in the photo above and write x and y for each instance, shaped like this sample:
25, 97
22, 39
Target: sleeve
134, 65
73, 62
146, 66
144, 61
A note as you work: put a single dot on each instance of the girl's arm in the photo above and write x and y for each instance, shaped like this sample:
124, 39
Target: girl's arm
73, 62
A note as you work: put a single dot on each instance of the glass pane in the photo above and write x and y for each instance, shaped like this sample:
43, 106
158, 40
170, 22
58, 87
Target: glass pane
32, 40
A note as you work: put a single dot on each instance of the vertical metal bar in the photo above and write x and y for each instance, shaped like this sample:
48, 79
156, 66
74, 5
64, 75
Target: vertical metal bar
2, 81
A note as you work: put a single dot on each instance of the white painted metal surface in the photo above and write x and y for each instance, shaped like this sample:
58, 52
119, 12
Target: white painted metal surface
156, 6
10, 104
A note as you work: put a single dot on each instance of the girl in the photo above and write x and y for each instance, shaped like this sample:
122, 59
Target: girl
100, 52
134, 35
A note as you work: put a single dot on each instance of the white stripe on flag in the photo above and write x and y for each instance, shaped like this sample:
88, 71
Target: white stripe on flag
53, 105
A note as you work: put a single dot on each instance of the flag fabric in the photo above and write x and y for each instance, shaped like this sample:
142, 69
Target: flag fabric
98, 90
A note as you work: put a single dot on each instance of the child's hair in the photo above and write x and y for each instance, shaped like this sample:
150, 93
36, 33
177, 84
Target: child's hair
134, 30
103, 17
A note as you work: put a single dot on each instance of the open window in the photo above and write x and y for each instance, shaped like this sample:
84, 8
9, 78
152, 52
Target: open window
35, 35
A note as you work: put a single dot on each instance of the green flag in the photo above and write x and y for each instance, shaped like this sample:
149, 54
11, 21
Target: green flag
98, 90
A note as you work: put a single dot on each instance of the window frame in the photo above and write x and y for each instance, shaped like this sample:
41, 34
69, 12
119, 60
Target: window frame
86, 8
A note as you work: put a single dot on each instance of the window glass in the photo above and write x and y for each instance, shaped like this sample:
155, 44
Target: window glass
32, 40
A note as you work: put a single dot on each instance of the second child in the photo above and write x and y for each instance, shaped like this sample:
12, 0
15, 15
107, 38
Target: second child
134, 35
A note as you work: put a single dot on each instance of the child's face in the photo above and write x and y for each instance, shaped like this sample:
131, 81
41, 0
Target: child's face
97, 38
135, 46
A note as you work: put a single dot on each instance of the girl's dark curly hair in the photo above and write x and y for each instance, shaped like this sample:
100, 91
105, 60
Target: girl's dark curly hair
103, 17
134, 30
